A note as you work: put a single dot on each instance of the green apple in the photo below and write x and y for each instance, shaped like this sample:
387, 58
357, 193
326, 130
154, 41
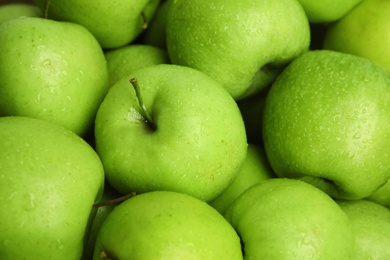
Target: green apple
55, 71
326, 121
283, 218
363, 32
114, 24
124, 60
241, 44
382, 195
371, 226
327, 10
175, 129
15, 10
255, 169
155, 34
50, 179
108, 201
252, 112
166, 225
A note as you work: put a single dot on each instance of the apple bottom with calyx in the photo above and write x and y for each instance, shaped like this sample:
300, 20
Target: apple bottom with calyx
371, 226
283, 218
170, 127
50, 179
166, 225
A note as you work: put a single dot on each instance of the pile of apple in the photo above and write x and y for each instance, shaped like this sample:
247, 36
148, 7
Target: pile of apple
192, 129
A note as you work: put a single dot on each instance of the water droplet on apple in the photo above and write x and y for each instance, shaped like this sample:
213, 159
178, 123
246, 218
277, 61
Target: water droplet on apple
29, 201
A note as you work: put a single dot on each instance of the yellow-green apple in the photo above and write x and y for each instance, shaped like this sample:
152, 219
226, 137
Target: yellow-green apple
255, 169
170, 127
124, 60
282, 218
371, 226
55, 71
241, 44
326, 11
50, 179
364, 31
326, 121
166, 225
15, 10
113, 23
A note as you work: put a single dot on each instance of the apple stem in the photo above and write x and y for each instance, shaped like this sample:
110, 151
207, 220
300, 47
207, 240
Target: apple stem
141, 104
145, 20
46, 10
114, 201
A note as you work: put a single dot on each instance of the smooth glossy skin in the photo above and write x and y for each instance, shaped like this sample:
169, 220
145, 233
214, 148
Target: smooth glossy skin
123, 61
382, 195
166, 225
255, 169
114, 28
289, 219
363, 32
371, 226
241, 44
199, 142
325, 11
326, 121
50, 178
55, 71
15, 10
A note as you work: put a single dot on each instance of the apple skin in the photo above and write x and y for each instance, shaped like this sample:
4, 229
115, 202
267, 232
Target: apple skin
50, 178
124, 60
255, 169
197, 147
371, 226
241, 44
43, 76
363, 32
326, 121
100, 216
326, 11
166, 225
252, 112
282, 218
114, 24
15, 10
382, 195
155, 34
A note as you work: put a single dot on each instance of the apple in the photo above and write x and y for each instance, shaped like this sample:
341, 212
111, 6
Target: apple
382, 195
328, 10
114, 24
282, 218
371, 226
55, 71
166, 225
326, 121
241, 44
124, 60
174, 129
255, 169
252, 112
106, 204
50, 178
364, 32
15, 10
155, 34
